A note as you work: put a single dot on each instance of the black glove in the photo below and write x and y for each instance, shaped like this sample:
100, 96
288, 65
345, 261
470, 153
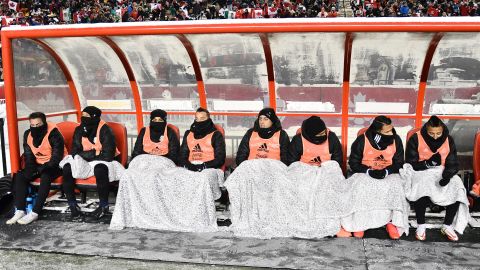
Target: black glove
378, 174
444, 182
191, 167
435, 160
200, 167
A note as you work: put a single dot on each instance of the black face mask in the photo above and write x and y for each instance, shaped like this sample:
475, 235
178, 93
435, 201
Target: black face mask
385, 140
38, 133
201, 129
89, 125
158, 127
266, 133
318, 139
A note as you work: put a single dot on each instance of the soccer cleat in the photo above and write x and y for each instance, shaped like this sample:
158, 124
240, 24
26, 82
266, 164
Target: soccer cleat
392, 231
18, 215
343, 234
29, 218
359, 234
421, 233
449, 232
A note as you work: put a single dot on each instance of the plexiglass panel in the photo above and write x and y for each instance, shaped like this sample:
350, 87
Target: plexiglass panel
234, 70
163, 70
309, 71
454, 76
39, 81
99, 76
385, 71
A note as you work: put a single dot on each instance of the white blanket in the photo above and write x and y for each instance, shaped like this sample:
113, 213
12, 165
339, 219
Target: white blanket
82, 169
155, 194
425, 184
269, 199
374, 203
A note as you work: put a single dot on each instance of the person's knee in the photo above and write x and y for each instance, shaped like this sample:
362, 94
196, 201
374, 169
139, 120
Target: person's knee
67, 170
100, 169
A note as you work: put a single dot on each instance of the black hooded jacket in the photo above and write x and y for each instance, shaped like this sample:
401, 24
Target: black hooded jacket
173, 145
218, 144
107, 139
334, 147
451, 162
244, 147
56, 142
356, 154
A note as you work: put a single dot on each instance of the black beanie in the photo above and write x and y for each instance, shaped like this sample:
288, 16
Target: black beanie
93, 111
159, 113
312, 126
269, 113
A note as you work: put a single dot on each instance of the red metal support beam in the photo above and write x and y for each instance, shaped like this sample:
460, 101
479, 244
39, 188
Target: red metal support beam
66, 73
11, 103
202, 95
131, 77
346, 94
270, 72
424, 77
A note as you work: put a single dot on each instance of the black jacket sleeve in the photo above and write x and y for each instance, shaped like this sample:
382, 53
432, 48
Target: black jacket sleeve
173, 145
284, 144
295, 149
411, 154
244, 148
30, 161
451, 162
218, 143
77, 147
108, 144
184, 151
138, 148
57, 142
356, 155
335, 148
398, 158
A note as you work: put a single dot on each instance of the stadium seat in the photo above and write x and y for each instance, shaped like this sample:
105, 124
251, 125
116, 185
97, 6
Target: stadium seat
476, 165
120, 133
66, 129
361, 131
222, 131
411, 132
175, 128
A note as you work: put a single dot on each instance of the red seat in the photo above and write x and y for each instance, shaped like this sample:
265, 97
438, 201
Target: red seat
67, 129
222, 131
411, 132
120, 133
476, 164
361, 131
175, 128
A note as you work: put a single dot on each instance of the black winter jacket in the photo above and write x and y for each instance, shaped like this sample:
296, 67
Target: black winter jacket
451, 162
335, 148
218, 143
173, 145
244, 147
56, 142
356, 155
107, 139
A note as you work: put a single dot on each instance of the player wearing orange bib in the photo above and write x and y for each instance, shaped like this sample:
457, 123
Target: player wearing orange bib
44, 148
315, 144
203, 146
265, 140
157, 138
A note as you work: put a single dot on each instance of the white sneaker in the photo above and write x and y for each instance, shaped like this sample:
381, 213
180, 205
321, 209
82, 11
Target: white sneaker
29, 218
18, 215
449, 232
421, 233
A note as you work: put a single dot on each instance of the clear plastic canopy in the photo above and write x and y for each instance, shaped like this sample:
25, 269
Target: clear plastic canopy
235, 75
